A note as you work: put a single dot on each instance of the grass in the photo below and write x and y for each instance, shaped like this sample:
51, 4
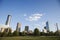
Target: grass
31, 38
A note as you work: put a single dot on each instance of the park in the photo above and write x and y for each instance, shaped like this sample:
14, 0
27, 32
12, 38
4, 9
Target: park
31, 38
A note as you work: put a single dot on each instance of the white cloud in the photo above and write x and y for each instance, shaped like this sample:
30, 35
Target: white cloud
34, 17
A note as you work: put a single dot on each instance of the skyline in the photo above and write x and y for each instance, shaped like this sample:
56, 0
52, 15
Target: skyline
32, 13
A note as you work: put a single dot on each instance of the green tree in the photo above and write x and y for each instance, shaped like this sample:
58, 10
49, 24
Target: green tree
4, 34
51, 33
0, 34
57, 33
15, 33
23, 33
36, 32
10, 32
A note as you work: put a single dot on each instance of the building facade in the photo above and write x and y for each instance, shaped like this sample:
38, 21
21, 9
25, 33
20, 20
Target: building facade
26, 28
47, 26
18, 27
8, 20
6, 27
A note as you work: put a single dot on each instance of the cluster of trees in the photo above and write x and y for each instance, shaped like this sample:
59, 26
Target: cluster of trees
35, 33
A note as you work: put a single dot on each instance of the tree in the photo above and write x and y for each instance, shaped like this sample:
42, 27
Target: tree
36, 32
51, 33
15, 33
0, 34
24, 34
42, 33
57, 33
20, 33
10, 32
4, 34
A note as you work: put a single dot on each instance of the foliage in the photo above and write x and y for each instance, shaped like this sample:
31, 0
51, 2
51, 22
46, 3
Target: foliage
4, 34
36, 32
10, 32
57, 33
15, 33
24, 34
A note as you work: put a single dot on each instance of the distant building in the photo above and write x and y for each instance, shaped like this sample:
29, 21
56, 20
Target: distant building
57, 26
26, 28
30, 31
2, 29
18, 27
8, 20
44, 30
6, 27
47, 26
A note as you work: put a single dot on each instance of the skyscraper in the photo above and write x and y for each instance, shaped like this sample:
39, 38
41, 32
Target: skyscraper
18, 27
57, 26
8, 20
44, 30
47, 26
26, 28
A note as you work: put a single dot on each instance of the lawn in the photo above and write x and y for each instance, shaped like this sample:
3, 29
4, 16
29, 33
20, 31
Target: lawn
30, 38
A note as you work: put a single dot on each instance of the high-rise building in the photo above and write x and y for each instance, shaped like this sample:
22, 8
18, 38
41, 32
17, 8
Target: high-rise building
8, 20
7, 25
18, 27
44, 30
47, 26
26, 28
57, 26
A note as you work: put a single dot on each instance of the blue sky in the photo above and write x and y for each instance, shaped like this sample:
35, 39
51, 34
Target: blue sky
33, 13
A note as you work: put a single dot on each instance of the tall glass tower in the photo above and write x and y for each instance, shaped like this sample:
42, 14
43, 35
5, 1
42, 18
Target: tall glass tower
8, 20
57, 26
26, 28
47, 26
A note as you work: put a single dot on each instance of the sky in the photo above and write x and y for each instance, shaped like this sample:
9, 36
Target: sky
32, 13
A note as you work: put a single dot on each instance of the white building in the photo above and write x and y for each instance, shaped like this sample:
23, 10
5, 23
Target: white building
7, 24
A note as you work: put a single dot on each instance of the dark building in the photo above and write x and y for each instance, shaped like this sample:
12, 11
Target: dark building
26, 28
8, 20
47, 26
